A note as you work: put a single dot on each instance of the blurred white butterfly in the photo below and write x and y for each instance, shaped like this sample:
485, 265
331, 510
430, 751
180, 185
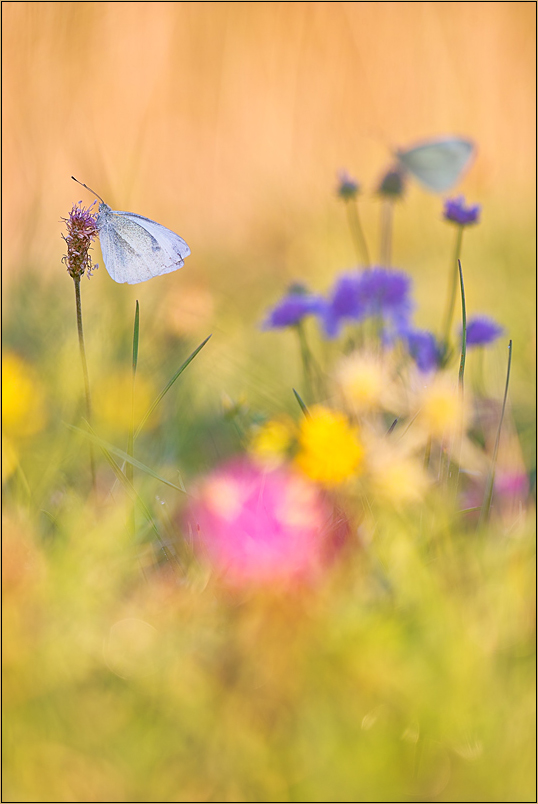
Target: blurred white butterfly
135, 248
439, 163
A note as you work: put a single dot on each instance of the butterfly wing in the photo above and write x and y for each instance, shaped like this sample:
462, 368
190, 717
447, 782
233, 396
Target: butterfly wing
438, 164
136, 249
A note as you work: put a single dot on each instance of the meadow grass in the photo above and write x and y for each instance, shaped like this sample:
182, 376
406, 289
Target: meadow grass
149, 655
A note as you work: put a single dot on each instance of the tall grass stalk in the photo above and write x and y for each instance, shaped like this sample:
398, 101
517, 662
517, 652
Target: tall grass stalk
306, 359
130, 442
385, 248
357, 233
451, 302
486, 505
76, 280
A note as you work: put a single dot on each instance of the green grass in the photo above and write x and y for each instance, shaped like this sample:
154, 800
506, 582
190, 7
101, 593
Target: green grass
132, 674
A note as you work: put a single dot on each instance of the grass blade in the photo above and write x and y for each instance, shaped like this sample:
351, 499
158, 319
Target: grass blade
170, 384
125, 457
464, 329
131, 491
130, 440
486, 505
301, 403
136, 335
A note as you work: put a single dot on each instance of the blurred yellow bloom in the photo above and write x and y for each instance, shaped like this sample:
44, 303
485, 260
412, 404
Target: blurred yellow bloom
330, 450
272, 440
112, 400
395, 477
365, 382
23, 403
441, 410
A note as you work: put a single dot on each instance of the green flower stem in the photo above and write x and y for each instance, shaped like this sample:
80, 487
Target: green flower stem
458, 437
463, 329
486, 505
449, 315
130, 444
76, 280
385, 250
427, 454
356, 232
306, 358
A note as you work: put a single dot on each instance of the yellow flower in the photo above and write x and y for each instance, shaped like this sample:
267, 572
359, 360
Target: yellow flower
365, 382
330, 450
395, 477
23, 407
441, 412
271, 441
112, 400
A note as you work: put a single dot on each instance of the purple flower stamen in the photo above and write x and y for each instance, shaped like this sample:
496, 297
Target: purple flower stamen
81, 232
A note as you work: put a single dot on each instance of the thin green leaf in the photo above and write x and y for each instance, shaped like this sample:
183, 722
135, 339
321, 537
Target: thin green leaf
136, 335
128, 486
130, 439
486, 505
301, 403
125, 457
169, 385
464, 328
130, 489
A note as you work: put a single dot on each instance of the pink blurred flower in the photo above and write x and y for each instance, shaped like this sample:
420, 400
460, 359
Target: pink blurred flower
511, 484
258, 525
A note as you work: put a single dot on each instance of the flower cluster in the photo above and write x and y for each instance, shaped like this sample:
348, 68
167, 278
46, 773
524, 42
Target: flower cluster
81, 232
457, 212
266, 517
376, 293
290, 310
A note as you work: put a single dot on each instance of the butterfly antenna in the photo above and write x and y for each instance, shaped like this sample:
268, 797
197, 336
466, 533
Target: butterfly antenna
88, 188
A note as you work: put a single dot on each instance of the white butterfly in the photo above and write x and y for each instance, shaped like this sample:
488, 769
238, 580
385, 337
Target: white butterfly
135, 248
439, 163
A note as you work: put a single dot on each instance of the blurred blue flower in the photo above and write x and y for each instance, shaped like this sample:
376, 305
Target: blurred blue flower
386, 294
290, 310
456, 212
344, 304
347, 186
392, 185
376, 292
482, 330
423, 348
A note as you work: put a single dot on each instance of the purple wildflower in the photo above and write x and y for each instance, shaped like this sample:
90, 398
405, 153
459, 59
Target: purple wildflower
482, 330
81, 231
347, 186
344, 304
290, 310
392, 184
377, 292
423, 349
455, 211
385, 294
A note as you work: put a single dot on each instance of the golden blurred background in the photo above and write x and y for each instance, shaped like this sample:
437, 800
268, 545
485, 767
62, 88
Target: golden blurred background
215, 116
227, 122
